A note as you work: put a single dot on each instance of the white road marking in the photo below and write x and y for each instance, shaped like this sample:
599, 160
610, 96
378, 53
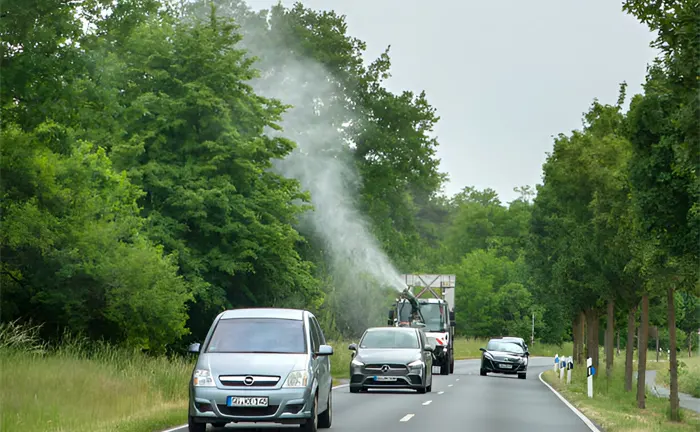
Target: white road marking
585, 419
449, 385
457, 379
427, 402
441, 392
407, 417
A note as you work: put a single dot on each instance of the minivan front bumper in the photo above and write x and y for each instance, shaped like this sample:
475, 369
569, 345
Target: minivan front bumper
285, 406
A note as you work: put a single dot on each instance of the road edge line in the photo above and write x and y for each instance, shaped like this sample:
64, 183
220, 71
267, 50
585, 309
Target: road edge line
580, 415
176, 428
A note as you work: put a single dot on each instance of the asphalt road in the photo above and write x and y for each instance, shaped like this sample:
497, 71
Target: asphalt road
459, 402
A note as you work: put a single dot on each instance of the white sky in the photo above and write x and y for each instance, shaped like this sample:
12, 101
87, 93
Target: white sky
504, 76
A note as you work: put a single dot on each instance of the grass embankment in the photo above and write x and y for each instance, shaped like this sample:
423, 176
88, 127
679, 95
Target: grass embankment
616, 410
688, 375
73, 388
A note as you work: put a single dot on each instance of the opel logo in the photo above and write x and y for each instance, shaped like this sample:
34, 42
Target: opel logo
248, 380
385, 368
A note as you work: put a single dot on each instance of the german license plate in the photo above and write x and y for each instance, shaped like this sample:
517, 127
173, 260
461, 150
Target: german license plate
384, 378
505, 366
235, 401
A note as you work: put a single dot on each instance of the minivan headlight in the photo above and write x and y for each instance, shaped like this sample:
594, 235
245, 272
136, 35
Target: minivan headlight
203, 378
298, 378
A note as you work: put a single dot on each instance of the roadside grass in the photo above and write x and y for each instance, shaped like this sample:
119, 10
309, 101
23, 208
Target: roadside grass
80, 386
616, 410
688, 375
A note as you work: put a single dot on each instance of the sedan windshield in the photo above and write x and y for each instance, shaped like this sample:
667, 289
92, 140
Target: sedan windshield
258, 335
505, 346
390, 339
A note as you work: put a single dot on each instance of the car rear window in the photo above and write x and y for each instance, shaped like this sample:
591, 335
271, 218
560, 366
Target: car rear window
389, 339
258, 335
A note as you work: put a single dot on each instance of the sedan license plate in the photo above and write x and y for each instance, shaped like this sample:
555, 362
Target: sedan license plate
505, 366
235, 401
384, 378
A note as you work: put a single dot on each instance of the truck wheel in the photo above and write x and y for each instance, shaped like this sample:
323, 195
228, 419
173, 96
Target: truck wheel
445, 367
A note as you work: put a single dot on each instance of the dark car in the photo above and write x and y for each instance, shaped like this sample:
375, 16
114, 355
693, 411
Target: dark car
392, 357
505, 357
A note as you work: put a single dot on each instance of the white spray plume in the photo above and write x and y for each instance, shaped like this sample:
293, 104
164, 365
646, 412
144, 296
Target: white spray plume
322, 165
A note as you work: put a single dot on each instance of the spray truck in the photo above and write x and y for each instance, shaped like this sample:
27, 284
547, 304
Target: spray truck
432, 310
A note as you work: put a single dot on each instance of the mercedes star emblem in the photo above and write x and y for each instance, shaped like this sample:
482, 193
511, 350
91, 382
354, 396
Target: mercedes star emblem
385, 368
249, 380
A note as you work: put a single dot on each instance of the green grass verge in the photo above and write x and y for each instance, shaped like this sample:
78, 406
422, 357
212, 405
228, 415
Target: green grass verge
616, 410
688, 375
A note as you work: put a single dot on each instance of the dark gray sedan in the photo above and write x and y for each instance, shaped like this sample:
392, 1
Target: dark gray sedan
392, 357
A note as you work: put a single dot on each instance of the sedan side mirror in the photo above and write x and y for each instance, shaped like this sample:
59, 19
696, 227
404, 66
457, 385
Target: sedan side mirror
452, 319
482, 349
352, 347
527, 353
325, 350
194, 348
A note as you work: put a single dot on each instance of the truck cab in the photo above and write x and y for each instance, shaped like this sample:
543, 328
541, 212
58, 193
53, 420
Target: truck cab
438, 325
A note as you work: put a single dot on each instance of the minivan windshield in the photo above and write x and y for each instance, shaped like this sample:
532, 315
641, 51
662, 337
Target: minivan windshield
505, 346
380, 339
258, 335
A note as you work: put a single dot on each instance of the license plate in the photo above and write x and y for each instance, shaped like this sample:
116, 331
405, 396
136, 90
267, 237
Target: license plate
384, 378
505, 366
234, 401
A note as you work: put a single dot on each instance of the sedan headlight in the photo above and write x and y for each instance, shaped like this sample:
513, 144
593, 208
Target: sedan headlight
523, 360
418, 364
488, 356
203, 378
356, 362
298, 378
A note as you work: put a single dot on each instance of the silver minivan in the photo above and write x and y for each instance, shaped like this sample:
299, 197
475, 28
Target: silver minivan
262, 365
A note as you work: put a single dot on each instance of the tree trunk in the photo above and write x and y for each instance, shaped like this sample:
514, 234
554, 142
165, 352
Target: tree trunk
610, 334
672, 359
592, 336
642, 347
574, 329
596, 340
618, 342
581, 336
629, 349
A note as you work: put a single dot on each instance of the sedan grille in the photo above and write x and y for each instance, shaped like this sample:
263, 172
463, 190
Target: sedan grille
249, 380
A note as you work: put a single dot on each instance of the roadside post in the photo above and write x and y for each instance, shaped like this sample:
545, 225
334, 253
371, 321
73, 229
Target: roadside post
590, 371
556, 362
569, 367
562, 368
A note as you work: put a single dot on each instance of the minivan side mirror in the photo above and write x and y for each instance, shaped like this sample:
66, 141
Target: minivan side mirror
352, 347
194, 348
325, 350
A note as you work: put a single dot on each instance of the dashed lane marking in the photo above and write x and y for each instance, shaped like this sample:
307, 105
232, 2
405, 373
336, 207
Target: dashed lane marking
441, 392
407, 417
449, 385
427, 402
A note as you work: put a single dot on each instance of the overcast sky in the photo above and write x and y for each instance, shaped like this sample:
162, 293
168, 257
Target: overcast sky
504, 76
